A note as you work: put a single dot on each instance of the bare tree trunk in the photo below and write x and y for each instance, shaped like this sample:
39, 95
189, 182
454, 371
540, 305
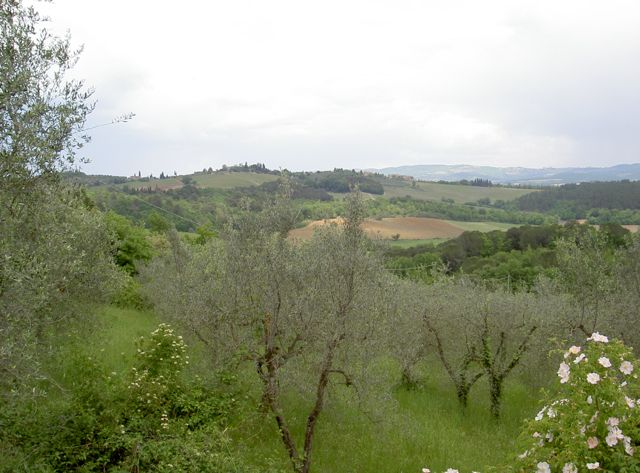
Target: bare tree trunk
490, 363
459, 378
271, 395
317, 408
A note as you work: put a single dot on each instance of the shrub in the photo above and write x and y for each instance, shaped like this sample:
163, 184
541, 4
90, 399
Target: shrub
149, 419
592, 422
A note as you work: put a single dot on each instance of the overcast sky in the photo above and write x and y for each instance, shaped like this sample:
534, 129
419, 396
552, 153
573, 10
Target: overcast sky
308, 85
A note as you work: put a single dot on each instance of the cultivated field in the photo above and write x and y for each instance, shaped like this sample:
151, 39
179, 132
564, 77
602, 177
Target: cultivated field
409, 228
459, 193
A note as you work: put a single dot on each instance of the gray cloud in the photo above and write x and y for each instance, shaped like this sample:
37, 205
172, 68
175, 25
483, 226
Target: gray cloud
363, 84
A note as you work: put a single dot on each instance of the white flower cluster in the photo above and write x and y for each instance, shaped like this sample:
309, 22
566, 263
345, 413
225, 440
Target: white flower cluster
564, 371
164, 420
606, 401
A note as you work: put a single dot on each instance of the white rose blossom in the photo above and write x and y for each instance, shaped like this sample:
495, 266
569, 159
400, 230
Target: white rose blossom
543, 467
579, 358
604, 361
626, 367
596, 337
563, 372
613, 421
611, 439
540, 414
593, 378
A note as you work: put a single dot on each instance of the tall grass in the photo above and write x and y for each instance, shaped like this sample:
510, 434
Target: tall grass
413, 429
400, 431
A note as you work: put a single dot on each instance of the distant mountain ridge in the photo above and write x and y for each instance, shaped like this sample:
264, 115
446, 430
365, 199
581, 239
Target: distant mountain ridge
515, 175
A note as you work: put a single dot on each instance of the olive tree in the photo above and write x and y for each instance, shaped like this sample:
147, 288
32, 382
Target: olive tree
55, 251
477, 332
42, 112
621, 309
586, 271
406, 338
447, 324
306, 315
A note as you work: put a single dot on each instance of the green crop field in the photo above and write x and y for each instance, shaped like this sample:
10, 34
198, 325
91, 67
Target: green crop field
481, 226
412, 243
459, 193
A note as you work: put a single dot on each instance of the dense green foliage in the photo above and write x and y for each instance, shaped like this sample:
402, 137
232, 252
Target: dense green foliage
148, 417
341, 180
592, 422
600, 202
516, 257
55, 250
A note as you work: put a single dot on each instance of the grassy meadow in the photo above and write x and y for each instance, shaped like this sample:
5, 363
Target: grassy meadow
481, 226
398, 431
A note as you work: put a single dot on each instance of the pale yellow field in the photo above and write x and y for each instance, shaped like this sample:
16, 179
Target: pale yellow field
409, 228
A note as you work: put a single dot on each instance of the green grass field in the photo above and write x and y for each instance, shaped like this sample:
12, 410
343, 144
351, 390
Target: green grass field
118, 331
459, 193
399, 431
482, 226
403, 433
412, 243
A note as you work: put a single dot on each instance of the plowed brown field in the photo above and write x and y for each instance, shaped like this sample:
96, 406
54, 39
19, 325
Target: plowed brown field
409, 228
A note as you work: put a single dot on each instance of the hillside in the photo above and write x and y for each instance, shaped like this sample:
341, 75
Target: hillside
216, 180
336, 182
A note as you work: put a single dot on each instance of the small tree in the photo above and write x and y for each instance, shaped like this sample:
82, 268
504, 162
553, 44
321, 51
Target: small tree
586, 270
495, 362
54, 248
405, 337
43, 112
478, 332
305, 315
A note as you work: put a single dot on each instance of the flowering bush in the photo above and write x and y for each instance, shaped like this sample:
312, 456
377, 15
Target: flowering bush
593, 422
149, 418
159, 362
